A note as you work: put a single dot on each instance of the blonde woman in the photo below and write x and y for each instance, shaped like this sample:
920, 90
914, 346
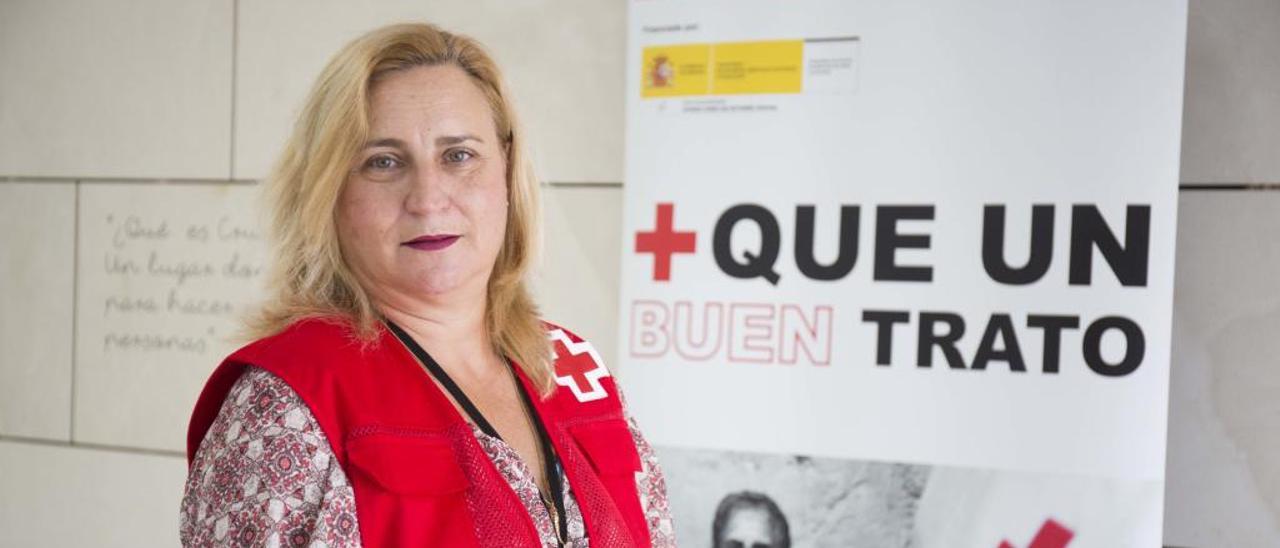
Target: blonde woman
401, 390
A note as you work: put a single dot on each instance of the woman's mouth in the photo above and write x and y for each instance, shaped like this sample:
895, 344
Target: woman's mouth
432, 242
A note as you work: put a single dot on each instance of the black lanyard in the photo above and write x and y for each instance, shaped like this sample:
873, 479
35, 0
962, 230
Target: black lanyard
550, 461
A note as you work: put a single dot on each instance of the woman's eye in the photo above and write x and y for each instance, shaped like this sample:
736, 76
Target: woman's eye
458, 155
382, 163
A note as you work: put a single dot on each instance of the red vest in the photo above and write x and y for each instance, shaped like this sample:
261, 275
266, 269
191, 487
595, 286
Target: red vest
420, 477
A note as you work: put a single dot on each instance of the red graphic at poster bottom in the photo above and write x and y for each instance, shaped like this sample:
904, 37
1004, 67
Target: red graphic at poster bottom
1051, 535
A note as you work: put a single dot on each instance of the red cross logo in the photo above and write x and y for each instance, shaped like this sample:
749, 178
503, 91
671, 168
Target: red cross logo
1051, 535
664, 241
578, 367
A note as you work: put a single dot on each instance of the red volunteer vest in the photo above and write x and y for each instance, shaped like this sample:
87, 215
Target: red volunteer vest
420, 477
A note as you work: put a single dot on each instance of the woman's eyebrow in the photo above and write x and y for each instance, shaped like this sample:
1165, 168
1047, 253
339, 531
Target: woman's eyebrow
387, 142
443, 140
455, 139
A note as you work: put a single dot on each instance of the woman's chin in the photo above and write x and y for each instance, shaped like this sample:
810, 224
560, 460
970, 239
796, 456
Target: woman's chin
437, 284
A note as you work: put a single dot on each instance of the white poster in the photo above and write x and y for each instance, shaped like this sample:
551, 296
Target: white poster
918, 254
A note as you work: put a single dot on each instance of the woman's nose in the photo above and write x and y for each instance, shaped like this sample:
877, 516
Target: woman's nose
429, 191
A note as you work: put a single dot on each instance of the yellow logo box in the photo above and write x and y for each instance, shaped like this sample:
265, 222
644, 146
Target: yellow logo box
774, 66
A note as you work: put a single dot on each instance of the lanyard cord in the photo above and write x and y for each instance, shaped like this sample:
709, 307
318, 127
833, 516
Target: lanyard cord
551, 463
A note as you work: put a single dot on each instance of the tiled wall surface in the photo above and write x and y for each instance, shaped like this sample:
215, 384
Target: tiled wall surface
1223, 471
144, 109
96, 88
1231, 124
37, 248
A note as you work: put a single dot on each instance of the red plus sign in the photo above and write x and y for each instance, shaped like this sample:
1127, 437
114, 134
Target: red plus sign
575, 367
663, 242
578, 367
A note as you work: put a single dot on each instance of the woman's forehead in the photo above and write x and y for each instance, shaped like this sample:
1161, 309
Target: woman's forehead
427, 102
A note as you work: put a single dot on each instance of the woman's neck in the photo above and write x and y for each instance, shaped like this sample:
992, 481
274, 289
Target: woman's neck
454, 333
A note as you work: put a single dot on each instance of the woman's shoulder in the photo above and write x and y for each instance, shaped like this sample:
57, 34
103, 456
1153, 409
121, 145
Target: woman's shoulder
560, 335
304, 352
325, 331
309, 343
253, 399
579, 368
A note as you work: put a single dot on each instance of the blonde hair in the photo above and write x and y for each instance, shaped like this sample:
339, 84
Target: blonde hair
310, 279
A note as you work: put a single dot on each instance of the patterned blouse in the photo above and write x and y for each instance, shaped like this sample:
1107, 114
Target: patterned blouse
266, 476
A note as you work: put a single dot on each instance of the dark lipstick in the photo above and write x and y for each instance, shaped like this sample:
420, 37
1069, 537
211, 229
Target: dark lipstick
432, 242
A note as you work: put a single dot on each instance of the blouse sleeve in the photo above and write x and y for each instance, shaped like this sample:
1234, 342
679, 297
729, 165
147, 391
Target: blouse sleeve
265, 475
651, 484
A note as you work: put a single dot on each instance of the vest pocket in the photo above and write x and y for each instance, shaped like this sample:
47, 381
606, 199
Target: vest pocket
410, 466
608, 445
410, 489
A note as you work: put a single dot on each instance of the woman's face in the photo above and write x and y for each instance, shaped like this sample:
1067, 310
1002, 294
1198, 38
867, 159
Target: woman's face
423, 211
